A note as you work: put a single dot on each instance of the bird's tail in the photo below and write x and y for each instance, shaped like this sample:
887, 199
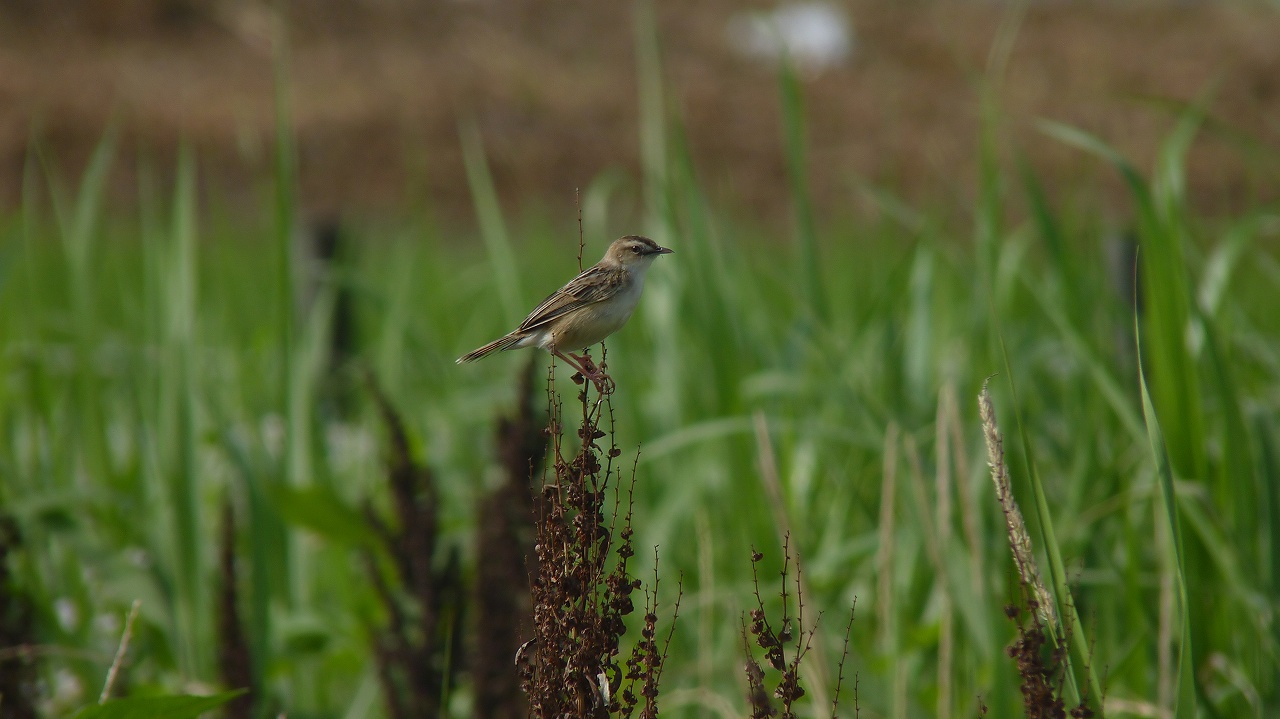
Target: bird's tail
498, 345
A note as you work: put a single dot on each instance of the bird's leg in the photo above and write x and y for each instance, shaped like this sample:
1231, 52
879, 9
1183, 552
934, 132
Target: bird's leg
575, 362
603, 382
584, 360
587, 369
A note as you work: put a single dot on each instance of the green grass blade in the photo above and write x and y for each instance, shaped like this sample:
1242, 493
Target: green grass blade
1090, 143
1046, 221
1162, 232
31, 225
286, 228
653, 122
83, 222
795, 148
1268, 464
1236, 488
1048, 538
1167, 290
1101, 374
285, 199
1186, 692
79, 227
493, 228
268, 557
702, 280
918, 338
989, 210
1051, 232
319, 509
180, 378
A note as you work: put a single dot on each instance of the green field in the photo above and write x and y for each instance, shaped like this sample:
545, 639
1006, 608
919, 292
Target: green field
158, 365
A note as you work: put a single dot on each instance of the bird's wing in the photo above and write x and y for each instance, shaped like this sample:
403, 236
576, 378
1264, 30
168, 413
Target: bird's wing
596, 284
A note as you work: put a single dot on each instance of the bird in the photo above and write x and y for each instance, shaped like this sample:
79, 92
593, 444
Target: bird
592, 306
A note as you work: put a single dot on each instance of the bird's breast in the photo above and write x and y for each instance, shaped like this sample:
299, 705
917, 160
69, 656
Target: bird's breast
592, 324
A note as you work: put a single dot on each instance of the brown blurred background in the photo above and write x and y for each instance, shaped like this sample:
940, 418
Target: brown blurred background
379, 88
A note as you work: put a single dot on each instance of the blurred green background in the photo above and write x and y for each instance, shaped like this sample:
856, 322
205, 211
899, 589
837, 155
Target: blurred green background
862, 237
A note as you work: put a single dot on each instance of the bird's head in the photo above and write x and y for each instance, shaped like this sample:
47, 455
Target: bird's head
634, 251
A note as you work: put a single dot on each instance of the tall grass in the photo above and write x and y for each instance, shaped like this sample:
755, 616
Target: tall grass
157, 367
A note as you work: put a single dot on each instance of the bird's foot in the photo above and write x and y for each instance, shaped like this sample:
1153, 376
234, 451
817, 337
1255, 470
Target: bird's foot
604, 383
589, 370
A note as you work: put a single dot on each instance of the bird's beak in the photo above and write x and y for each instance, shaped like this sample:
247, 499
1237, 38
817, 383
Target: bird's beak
662, 251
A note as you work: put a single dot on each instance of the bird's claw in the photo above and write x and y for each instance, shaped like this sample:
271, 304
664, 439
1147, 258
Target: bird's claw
603, 382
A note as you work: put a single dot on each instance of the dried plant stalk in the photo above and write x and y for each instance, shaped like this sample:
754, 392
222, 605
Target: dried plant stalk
1019, 539
582, 588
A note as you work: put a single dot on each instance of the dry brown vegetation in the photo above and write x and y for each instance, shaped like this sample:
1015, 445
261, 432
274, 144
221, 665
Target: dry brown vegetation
379, 89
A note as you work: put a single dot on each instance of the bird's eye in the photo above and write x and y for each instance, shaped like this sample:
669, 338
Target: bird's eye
636, 249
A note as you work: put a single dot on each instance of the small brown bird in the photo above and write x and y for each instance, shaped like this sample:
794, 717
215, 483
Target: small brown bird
592, 306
